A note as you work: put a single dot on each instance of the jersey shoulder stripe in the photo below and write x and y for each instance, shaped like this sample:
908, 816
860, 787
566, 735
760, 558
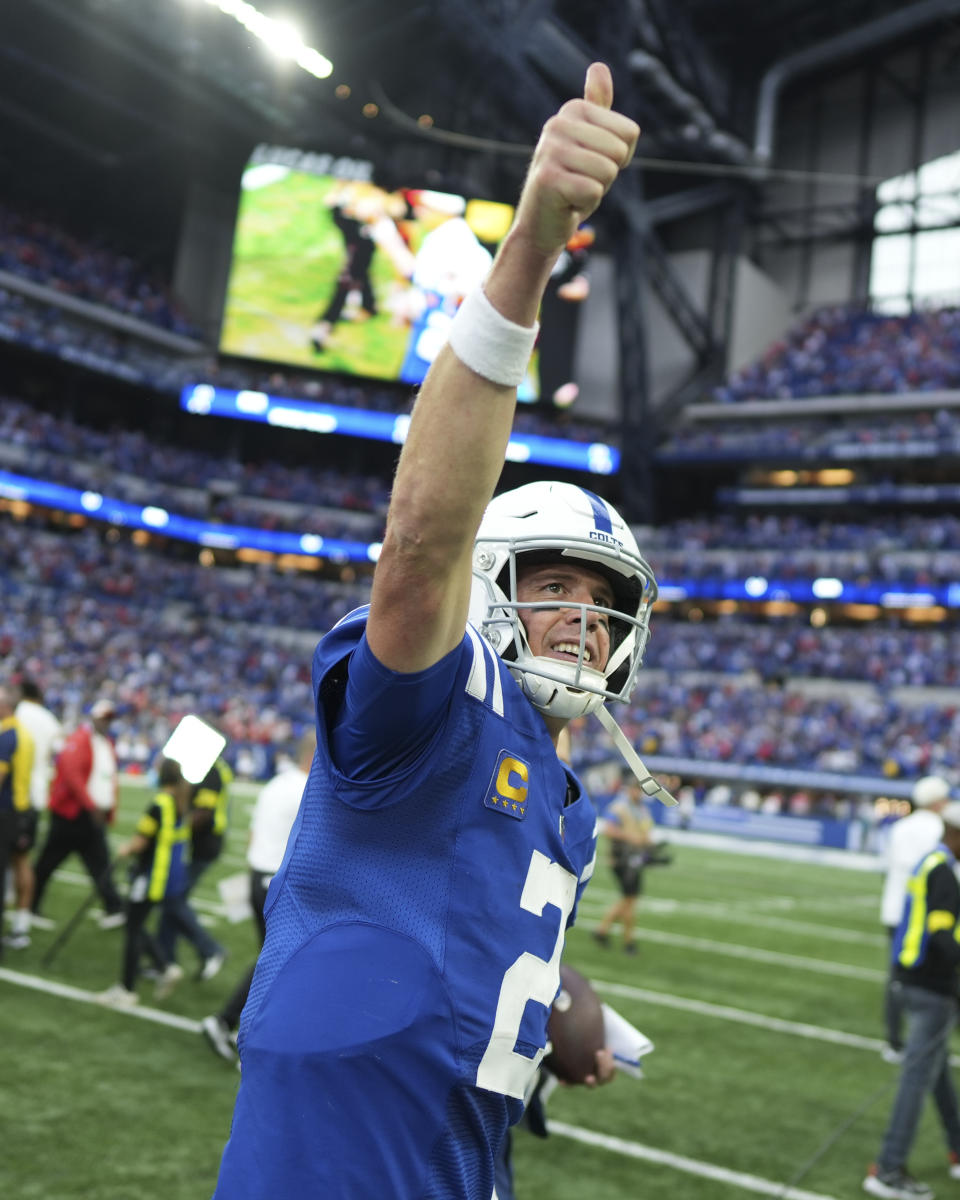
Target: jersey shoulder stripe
497, 698
483, 684
587, 873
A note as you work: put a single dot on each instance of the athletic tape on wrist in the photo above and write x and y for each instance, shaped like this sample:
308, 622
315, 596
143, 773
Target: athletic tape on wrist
489, 343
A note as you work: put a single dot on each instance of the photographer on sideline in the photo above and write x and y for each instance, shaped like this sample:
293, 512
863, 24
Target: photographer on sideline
629, 826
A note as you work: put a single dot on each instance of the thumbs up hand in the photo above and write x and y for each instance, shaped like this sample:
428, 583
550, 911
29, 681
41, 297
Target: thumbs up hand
581, 151
598, 86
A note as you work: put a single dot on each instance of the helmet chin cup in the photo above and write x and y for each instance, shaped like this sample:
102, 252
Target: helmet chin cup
550, 695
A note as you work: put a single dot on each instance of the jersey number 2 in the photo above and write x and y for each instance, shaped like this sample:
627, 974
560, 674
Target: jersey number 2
502, 1069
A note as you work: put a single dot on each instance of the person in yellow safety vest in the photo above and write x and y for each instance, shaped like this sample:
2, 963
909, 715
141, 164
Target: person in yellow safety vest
157, 872
209, 813
208, 826
926, 958
16, 765
910, 839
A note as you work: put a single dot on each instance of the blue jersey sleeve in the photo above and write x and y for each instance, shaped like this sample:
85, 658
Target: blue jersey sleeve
387, 719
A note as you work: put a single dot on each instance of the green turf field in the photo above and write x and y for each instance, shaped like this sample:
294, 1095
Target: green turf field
758, 980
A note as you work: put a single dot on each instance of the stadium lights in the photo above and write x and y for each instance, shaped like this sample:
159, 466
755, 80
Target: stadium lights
203, 399
827, 588
834, 477
155, 517
278, 35
908, 599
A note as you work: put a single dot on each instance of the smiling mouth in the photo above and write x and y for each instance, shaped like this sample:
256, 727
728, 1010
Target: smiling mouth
567, 651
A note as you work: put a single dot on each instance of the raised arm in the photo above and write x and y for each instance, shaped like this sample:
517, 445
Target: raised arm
461, 421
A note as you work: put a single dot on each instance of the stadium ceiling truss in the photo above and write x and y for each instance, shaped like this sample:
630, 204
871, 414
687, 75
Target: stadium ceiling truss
120, 83
908, 80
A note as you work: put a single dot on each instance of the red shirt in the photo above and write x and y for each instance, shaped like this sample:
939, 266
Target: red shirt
69, 795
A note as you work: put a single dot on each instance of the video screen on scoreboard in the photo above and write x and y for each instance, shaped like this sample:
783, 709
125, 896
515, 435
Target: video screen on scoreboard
333, 272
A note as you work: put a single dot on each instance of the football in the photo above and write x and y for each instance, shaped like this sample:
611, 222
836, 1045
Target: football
575, 1029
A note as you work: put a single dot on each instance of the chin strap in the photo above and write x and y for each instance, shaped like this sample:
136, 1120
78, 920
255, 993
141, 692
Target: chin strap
650, 786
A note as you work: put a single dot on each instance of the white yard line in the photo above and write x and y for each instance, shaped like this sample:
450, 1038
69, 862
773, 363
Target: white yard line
702, 1008
703, 945
593, 904
724, 1012
819, 966
690, 1166
848, 860
828, 904
66, 992
727, 1013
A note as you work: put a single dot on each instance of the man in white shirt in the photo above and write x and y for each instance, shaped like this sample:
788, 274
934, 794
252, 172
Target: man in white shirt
273, 817
47, 734
911, 838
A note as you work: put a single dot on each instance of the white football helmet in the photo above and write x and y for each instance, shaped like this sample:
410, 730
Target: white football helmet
560, 520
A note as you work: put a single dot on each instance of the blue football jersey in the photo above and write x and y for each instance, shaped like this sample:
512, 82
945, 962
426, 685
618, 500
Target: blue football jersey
414, 933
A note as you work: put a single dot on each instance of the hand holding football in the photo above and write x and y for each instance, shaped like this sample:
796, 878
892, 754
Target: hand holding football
575, 1029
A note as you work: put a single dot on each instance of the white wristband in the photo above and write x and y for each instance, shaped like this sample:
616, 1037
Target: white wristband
489, 343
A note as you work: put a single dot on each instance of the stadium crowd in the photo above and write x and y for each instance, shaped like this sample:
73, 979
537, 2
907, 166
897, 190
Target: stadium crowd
855, 732
834, 351
86, 267
890, 655
840, 351
774, 531
128, 465
928, 433
161, 637
164, 637
78, 606
903, 550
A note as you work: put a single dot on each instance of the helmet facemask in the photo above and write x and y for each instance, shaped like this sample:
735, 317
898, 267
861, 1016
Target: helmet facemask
559, 688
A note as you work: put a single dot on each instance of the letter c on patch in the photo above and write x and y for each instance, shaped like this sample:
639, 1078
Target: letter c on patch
509, 790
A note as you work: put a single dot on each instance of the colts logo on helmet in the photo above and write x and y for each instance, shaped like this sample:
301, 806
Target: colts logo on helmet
507, 791
597, 535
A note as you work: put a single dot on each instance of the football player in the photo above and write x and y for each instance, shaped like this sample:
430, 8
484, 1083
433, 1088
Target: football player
414, 930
